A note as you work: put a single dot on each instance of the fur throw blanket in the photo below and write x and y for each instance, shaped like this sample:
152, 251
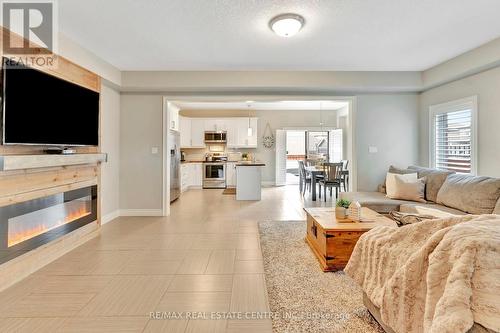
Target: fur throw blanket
435, 276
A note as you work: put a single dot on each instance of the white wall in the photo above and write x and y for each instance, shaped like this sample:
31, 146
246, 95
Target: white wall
110, 144
486, 86
110, 118
247, 82
390, 123
140, 170
83, 57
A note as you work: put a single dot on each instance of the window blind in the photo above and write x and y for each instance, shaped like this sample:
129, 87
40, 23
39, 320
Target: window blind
453, 141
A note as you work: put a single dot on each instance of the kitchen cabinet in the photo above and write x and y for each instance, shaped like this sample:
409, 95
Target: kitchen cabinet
173, 112
184, 177
232, 133
216, 124
185, 129
197, 175
197, 133
231, 174
193, 131
244, 140
191, 175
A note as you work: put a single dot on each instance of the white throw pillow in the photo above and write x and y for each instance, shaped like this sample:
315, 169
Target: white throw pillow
405, 187
390, 182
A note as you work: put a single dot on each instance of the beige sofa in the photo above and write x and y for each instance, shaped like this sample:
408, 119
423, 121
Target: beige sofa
446, 193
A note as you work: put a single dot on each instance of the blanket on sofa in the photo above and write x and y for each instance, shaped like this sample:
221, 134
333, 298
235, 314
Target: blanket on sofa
435, 276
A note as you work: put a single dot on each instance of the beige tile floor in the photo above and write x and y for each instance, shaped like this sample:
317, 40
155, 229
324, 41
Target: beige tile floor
205, 257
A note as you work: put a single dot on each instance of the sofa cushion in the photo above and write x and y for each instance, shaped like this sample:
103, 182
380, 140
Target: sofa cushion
375, 200
430, 209
434, 179
497, 208
471, 194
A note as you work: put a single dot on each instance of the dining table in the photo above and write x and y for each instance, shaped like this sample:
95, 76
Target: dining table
314, 172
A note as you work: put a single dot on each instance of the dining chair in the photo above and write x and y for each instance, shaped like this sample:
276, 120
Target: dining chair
305, 179
345, 174
332, 178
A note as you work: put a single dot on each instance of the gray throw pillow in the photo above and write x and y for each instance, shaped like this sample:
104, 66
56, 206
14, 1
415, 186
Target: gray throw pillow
471, 194
434, 180
399, 171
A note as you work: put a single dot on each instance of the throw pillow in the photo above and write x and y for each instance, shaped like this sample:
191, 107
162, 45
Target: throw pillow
396, 170
471, 194
400, 171
434, 180
405, 187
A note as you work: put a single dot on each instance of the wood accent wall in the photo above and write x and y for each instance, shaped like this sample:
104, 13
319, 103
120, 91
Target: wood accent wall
22, 185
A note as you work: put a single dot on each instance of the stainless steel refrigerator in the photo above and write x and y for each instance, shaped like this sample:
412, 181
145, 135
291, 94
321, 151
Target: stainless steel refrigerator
175, 162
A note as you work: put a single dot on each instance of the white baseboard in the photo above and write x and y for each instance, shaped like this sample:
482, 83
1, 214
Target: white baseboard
141, 212
110, 217
268, 183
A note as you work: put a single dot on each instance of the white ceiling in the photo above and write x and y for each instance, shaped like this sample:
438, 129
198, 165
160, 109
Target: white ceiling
372, 35
279, 105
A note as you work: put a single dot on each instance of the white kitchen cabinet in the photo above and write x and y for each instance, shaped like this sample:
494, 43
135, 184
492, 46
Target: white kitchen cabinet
197, 174
232, 133
244, 140
184, 170
193, 131
173, 112
191, 175
216, 124
197, 133
231, 174
185, 130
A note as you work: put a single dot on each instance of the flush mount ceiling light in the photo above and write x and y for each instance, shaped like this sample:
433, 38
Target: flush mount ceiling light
286, 25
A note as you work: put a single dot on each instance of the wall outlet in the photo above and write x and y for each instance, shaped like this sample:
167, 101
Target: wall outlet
154, 150
372, 150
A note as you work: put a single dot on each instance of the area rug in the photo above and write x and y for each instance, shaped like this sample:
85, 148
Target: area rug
229, 191
302, 297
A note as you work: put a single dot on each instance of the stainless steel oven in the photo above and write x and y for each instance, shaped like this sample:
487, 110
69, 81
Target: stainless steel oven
214, 175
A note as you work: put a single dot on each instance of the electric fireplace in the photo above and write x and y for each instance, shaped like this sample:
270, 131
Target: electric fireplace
28, 225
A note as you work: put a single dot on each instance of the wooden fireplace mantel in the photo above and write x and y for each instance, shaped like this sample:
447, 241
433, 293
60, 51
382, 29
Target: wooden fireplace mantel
24, 162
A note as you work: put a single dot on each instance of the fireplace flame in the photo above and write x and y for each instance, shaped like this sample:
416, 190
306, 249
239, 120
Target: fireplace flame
19, 237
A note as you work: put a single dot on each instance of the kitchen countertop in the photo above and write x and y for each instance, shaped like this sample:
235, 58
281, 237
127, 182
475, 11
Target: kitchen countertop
250, 163
186, 162
237, 162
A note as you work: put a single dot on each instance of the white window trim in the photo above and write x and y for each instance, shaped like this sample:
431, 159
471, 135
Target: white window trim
456, 105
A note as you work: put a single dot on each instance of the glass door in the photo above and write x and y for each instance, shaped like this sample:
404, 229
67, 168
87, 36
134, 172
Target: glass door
317, 146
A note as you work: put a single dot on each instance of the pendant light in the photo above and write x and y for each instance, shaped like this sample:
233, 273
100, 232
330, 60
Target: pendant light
249, 130
321, 115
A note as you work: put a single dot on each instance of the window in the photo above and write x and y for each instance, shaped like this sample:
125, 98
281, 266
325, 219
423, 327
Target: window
453, 135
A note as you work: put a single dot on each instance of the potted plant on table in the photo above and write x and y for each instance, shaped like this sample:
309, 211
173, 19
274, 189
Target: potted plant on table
341, 208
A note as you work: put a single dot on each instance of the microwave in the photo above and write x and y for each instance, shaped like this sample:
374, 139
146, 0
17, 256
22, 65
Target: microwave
215, 137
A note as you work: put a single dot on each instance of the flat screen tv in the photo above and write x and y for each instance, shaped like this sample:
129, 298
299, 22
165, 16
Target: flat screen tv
41, 109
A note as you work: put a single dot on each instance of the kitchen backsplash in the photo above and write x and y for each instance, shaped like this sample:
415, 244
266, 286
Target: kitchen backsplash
198, 154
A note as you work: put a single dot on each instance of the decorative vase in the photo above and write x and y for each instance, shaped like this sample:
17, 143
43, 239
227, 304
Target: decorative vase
340, 212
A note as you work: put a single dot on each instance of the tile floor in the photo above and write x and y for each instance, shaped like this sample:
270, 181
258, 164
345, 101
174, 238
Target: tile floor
205, 257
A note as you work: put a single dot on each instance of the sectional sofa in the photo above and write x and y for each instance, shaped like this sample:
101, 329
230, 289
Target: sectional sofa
446, 193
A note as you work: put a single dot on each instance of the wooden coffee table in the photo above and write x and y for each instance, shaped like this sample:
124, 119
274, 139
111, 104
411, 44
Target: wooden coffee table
332, 240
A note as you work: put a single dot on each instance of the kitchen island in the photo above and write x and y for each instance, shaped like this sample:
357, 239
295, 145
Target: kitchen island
248, 180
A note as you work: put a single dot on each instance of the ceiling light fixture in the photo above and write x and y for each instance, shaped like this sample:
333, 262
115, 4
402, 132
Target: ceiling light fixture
286, 25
